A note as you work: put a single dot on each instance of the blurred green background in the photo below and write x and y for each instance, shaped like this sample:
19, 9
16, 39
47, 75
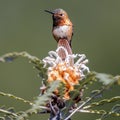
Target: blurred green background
24, 26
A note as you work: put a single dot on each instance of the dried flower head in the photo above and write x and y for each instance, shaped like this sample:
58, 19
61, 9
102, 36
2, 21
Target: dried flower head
62, 70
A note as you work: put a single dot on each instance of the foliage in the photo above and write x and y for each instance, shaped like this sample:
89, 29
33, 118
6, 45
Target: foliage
59, 108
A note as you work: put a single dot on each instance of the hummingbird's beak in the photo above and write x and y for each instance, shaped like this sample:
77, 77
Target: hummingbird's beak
49, 11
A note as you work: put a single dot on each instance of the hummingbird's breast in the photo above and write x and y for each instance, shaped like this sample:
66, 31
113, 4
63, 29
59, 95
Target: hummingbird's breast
64, 32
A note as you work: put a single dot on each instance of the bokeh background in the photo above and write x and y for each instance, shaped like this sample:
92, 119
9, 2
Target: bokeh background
24, 26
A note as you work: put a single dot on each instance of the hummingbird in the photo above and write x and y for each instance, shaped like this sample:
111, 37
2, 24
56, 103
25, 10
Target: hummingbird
62, 30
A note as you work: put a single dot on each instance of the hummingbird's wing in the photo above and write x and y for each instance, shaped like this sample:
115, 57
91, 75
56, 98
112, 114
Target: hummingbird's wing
71, 37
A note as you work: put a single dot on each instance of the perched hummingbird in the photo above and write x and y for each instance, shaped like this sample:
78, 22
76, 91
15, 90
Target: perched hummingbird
62, 30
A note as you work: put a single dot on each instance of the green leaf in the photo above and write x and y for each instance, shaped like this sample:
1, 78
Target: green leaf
41, 100
68, 104
103, 102
2, 118
87, 80
96, 94
10, 57
105, 78
15, 97
116, 108
74, 94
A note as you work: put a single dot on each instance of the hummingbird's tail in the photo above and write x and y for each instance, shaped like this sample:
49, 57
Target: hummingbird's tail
64, 43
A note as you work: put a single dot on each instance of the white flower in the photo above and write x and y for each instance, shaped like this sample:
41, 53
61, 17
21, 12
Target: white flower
62, 70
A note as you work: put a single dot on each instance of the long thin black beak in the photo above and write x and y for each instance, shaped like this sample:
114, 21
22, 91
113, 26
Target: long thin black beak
49, 11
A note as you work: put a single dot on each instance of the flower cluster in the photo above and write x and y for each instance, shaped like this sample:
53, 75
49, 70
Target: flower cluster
62, 70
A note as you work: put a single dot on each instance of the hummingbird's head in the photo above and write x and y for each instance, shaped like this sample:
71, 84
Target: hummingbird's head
59, 16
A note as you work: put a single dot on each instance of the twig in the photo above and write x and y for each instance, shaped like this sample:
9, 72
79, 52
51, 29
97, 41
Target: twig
78, 108
84, 103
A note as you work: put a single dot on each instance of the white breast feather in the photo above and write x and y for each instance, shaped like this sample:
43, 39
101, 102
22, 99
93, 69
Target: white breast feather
61, 31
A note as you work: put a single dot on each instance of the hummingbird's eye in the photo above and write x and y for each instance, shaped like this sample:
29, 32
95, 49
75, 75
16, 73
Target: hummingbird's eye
61, 14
